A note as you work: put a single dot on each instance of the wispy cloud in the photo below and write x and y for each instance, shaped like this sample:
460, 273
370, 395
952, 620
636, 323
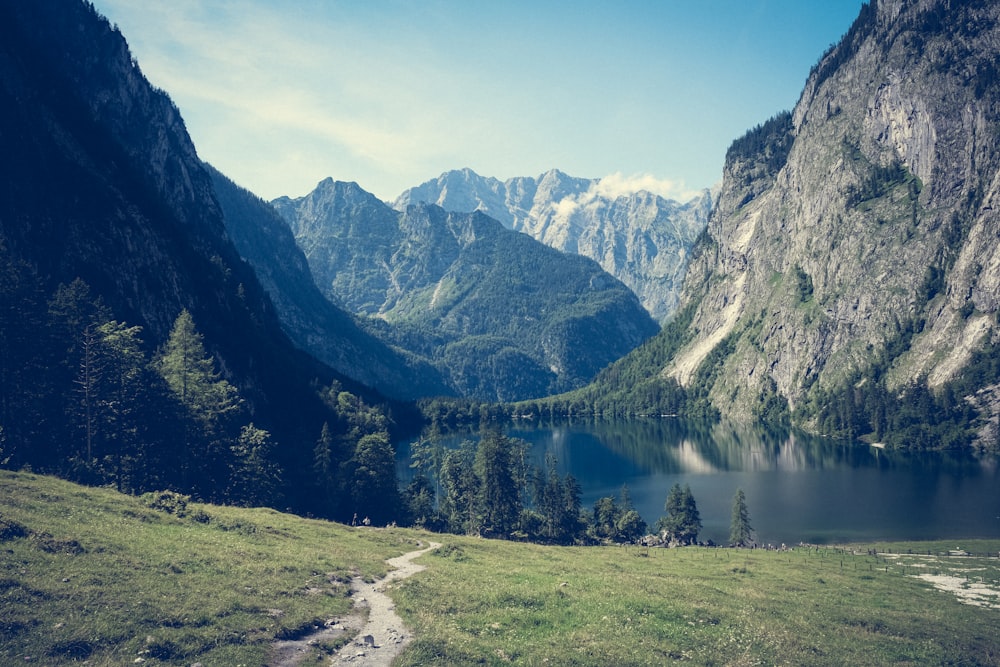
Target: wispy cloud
618, 185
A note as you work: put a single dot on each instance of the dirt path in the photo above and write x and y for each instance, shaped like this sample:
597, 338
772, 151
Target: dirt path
380, 639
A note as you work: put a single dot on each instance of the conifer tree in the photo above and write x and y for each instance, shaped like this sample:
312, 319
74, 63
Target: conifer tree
191, 374
499, 494
740, 531
682, 521
209, 401
323, 467
460, 489
374, 486
605, 517
255, 479
122, 396
572, 524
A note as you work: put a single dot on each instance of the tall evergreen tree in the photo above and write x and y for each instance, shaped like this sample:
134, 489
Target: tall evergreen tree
25, 364
123, 393
682, 521
209, 401
324, 470
740, 530
460, 490
255, 480
74, 316
605, 518
572, 524
499, 498
374, 487
191, 374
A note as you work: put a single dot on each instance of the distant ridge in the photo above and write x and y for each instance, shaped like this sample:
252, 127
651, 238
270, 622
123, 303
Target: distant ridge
502, 316
641, 238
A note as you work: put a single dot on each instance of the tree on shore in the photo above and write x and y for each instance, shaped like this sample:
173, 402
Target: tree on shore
682, 521
740, 530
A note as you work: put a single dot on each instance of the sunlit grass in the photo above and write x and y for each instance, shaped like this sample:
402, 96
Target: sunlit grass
88, 574
599, 606
104, 578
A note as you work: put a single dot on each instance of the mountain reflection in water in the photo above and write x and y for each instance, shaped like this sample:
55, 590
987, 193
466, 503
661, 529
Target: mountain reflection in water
798, 487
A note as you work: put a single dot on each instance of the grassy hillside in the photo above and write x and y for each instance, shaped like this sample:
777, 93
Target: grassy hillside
88, 574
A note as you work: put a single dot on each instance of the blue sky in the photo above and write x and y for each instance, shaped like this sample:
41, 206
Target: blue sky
391, 93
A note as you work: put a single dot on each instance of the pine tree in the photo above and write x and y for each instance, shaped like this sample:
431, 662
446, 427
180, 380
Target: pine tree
191, 374
323, 467
682, 521
209, 401
499, 502
123, 393
460, 489
571, 522
605, 518
374, 487
254, 479
74, 316
740, 531
24, 365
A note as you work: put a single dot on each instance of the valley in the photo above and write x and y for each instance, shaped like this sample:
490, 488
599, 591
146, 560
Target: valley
222, 417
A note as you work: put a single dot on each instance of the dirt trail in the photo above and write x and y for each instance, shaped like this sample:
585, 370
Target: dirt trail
380, 639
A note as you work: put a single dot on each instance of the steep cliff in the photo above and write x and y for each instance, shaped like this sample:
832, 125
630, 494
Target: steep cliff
848, 278
641, 238
99, 181
503, 316
854, 241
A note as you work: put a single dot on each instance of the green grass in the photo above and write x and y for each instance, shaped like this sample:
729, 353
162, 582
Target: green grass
102, 577
600, 606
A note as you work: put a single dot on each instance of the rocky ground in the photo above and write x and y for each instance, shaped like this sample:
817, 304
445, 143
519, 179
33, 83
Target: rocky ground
379, 640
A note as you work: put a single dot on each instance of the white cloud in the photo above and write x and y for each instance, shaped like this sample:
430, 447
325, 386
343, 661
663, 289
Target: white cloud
566, 207
618, 185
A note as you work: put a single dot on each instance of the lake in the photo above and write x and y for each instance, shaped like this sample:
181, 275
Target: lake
798, 488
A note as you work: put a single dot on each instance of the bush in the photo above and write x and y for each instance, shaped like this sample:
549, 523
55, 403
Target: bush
170, 502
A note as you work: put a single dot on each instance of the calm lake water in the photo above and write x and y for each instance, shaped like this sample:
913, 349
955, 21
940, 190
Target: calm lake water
798, 488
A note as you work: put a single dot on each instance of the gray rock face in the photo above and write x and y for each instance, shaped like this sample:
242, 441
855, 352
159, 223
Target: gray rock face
881, 217
640, 238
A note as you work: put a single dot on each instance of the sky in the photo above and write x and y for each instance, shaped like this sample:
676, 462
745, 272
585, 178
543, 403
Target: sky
280, 94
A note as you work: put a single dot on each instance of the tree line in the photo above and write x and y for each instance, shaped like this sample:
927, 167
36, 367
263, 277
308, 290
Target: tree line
88, 399
490, 488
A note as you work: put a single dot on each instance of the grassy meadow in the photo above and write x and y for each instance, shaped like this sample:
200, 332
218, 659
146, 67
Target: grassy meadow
91, 575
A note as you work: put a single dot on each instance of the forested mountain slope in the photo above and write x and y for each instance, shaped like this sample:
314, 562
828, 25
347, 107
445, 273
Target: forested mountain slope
136, 346
311, 320
503, 316
850, 277
641, 238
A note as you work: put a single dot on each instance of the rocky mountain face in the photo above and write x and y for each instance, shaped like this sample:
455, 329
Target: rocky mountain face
309, 318
101, 183
641, 238
503, 316
854, 241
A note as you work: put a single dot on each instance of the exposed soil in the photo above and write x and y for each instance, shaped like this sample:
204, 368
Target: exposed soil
382, 636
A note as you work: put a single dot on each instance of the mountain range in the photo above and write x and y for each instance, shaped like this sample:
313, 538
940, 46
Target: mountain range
847, 280
641, 238
311, 319
501, 316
